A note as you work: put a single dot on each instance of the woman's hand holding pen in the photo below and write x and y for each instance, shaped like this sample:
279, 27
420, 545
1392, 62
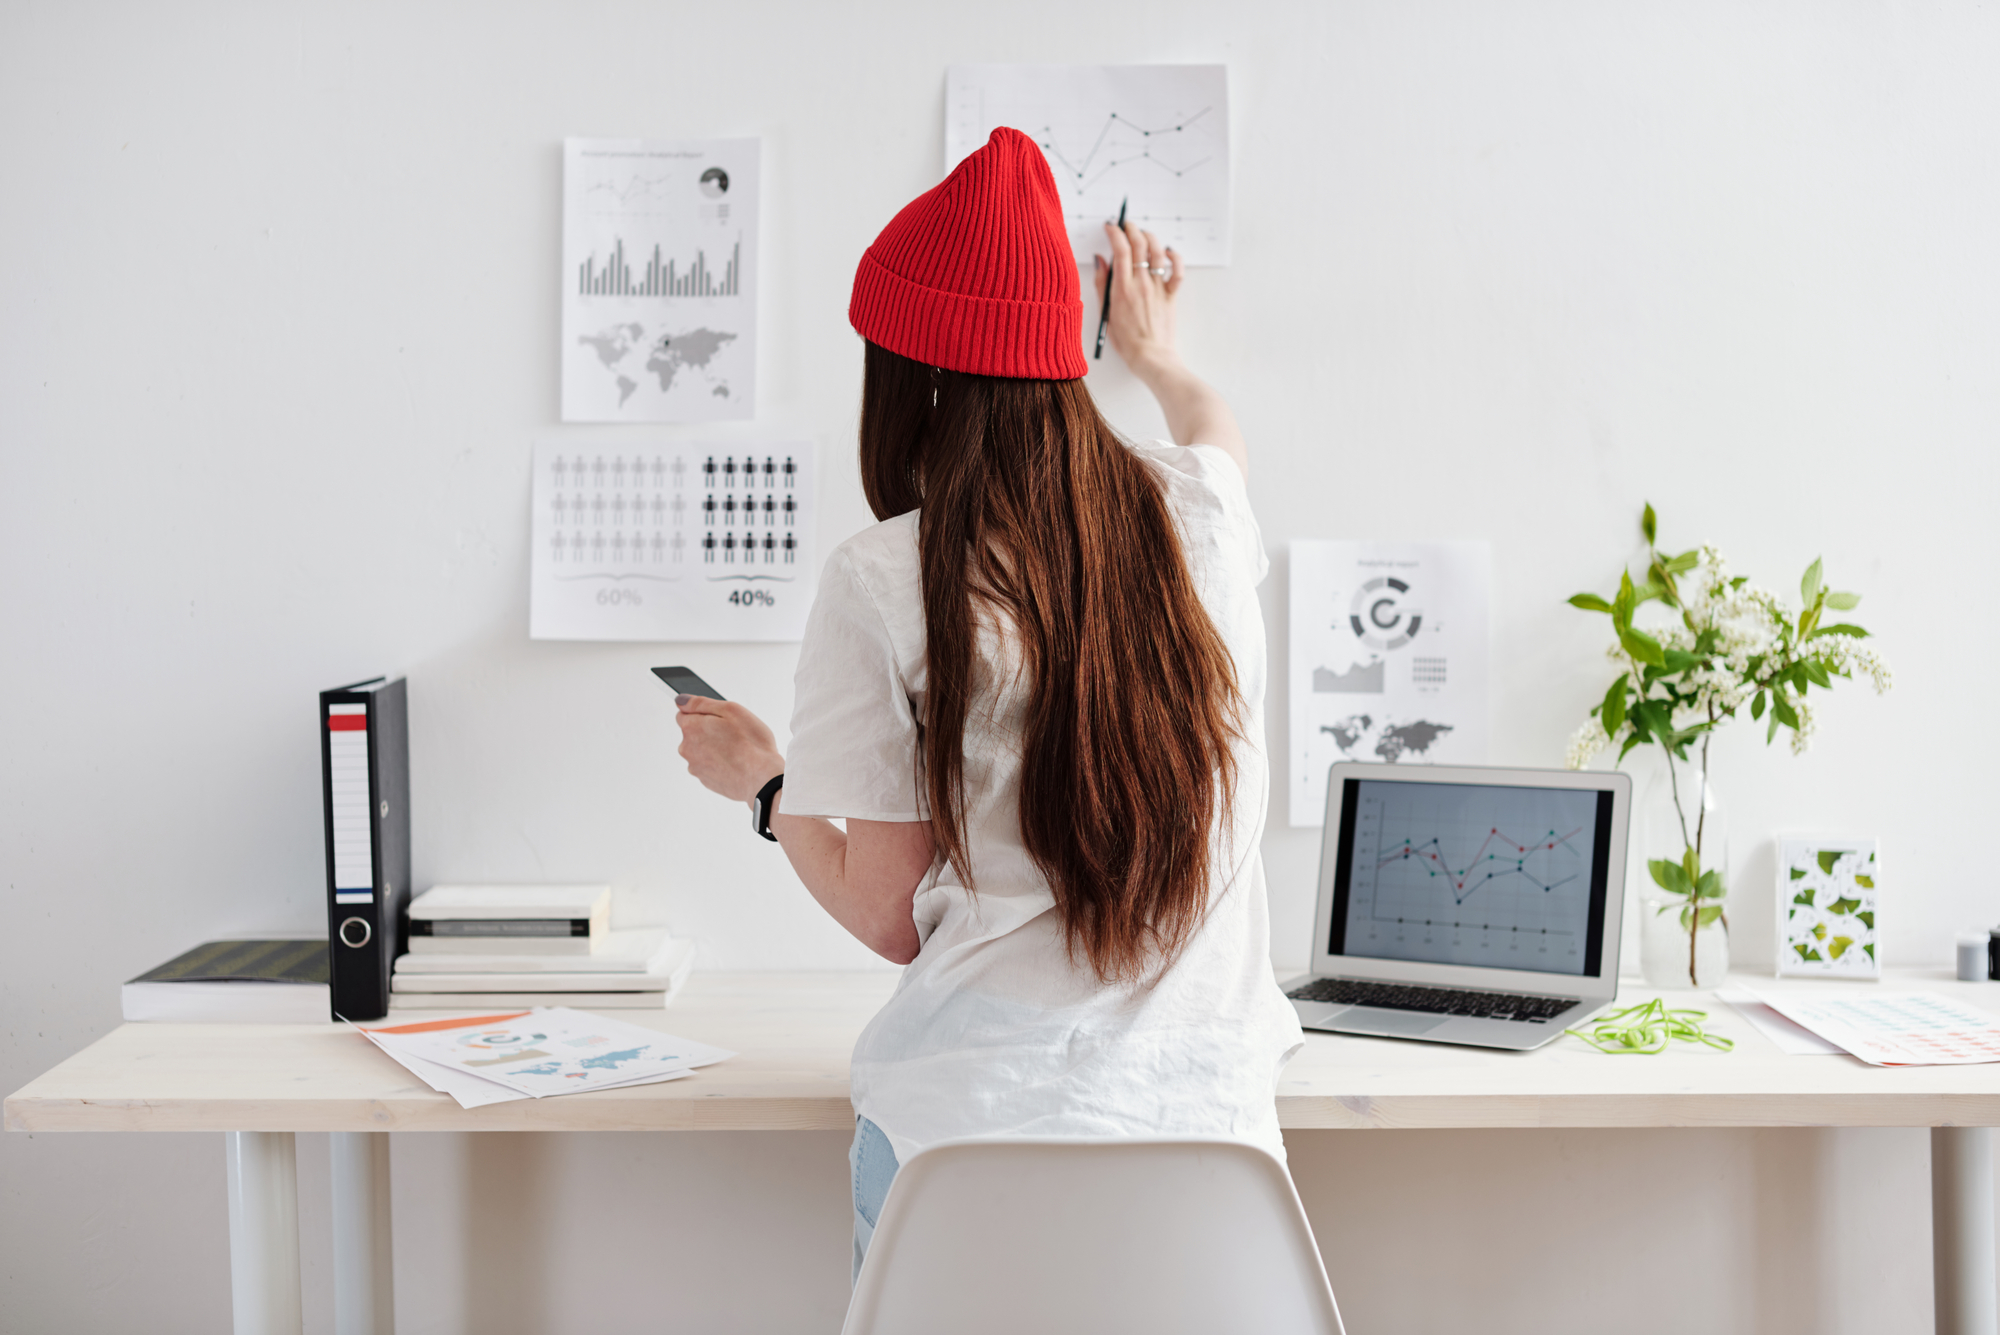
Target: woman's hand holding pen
1148, 275
1142, 300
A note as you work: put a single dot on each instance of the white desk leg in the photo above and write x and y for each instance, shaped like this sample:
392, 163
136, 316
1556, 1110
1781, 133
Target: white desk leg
1962, 1230
264, 1232
364, 1292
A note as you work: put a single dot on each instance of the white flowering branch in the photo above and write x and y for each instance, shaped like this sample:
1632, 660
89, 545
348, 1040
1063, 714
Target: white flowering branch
1735, 645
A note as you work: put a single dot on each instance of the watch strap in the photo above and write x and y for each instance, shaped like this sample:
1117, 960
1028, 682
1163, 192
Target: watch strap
760, 807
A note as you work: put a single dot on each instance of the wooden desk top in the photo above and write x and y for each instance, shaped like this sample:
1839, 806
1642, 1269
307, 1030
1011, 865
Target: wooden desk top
794, 1033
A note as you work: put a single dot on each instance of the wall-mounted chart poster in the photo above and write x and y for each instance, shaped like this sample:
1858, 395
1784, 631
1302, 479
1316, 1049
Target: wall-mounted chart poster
1151, 138
672, 542
1388, 663
659, 280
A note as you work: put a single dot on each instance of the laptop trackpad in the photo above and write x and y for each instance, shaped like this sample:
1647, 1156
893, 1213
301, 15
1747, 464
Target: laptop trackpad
1373, 1020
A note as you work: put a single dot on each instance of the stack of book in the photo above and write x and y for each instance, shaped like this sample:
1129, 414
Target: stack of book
508, 946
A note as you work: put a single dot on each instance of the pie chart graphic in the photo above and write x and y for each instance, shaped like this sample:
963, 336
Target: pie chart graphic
715, 183
1384, 616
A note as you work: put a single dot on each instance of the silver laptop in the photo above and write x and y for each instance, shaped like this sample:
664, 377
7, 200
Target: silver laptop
1462, 904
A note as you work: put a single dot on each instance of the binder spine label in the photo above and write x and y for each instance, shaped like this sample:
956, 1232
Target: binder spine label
353, 831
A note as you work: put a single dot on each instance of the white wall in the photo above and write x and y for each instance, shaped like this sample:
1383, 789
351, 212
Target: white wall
277, 329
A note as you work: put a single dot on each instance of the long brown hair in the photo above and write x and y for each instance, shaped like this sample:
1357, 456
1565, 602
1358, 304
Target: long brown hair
1031, 502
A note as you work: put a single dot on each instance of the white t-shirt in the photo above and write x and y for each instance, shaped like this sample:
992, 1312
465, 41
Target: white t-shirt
992, 1030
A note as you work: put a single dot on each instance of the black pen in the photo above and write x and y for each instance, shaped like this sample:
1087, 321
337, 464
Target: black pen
1105, 318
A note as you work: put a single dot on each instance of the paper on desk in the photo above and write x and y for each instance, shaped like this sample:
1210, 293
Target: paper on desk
1897, 1029
553, 1050
1789, 1035
471, 1091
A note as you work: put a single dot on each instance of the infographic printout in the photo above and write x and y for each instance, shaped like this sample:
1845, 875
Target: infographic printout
1388, 661
1896, 1028
1153, 138
672, 542
552, 1050
659, 280
1477, 874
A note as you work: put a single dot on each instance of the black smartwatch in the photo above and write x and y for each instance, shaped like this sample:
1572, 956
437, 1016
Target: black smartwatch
760, 807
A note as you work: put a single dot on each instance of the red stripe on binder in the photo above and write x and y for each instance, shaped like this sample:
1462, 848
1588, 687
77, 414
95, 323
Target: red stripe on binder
347, 723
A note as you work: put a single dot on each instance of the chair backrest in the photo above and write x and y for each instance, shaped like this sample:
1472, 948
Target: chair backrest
1092, 1237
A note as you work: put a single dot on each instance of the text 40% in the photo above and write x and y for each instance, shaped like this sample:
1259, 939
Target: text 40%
752, 598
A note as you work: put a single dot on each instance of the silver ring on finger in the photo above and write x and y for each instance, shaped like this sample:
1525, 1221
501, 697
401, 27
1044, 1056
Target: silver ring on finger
1163, 274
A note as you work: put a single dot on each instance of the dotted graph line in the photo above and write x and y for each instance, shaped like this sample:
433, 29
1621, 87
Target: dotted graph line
1081, 168
1461, 880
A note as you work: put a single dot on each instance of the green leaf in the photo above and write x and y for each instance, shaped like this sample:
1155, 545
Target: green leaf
1817, 674
1798, 873
1828, 856
1839, 946
1866, 918
1803, 897
1771, 732
1819, 931
1843, 602
1870, 948
1649, 524
1669, 875
1589, 602
1683, 563
1643, 647
1757, 706
1865, 882
1614, 705
1677, 661
1651, 589
1810, 585
1782, 712
1692, 866
1710, 885
1843, 905
1710, 914
1806, 952
1839, 628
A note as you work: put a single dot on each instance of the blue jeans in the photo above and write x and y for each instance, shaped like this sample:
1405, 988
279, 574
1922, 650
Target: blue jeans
873, 1165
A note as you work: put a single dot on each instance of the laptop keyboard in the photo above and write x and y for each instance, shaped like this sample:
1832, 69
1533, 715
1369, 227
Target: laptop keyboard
1434, 1000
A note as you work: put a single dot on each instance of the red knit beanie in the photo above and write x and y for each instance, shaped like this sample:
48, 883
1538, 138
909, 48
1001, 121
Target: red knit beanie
976, 275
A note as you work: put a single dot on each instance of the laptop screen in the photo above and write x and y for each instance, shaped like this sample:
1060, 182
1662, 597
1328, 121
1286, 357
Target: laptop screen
1505, 877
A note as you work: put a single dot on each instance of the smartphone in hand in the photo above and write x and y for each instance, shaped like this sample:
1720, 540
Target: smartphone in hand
682, 681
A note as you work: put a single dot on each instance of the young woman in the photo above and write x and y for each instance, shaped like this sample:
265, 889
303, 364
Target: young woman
1035, 694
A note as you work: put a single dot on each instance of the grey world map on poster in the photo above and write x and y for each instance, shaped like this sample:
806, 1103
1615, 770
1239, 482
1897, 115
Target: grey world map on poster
1385, 741
627, 352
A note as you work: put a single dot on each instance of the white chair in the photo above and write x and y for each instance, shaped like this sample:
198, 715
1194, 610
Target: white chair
1092, 1237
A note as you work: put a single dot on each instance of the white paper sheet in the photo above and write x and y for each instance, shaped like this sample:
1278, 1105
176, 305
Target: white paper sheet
556, 1050
469, 1090
685, 542
1897, 1029
1153, 136
1789, 1036
659, 280
1389, 646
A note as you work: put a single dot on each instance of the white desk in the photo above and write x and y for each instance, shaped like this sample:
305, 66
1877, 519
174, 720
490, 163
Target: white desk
262, 1083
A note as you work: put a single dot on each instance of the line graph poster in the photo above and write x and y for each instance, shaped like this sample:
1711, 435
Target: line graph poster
672, 542
1156, 136
1388, 660
1473, 874
659, 280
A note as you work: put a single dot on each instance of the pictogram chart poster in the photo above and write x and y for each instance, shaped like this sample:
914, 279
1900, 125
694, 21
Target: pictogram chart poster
1154, 138
1388, 660
685, 542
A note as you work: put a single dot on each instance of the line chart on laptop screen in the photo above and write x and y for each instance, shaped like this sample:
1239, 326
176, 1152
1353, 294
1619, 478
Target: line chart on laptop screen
1472, 875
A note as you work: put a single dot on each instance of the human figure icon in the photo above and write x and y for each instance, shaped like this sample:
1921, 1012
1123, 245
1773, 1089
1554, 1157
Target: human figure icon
576, 545
618, 471
708, 548
597, 470
618, 511
791, 509
791, 470
659, 471
770, 510
729, 471
659, 510
728, 511
770, 471
680, 470
556, 544
559, 470
559, 506
678, 543
659, 548
618, 548
791, 547
680, 506
770, 548
729, 549
597, 548
708, 510
708, 472
597, 509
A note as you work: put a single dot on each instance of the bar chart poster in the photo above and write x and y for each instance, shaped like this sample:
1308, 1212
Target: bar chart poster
659, 280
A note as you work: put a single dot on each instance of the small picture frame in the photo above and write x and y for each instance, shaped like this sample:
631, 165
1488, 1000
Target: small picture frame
1827, 892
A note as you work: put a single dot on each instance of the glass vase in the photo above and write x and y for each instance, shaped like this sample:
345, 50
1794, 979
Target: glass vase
1682, 835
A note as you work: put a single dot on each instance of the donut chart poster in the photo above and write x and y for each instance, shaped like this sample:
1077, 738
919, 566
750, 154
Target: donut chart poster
1389, 649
